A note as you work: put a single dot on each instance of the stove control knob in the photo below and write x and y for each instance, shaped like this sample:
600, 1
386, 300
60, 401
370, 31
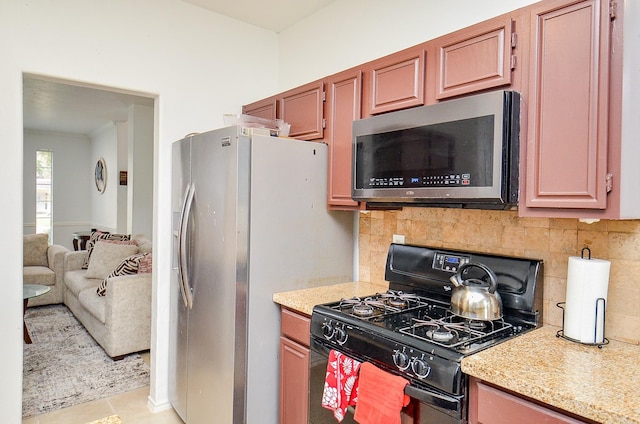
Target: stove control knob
341, 336
401, 360
327, 330
420, 367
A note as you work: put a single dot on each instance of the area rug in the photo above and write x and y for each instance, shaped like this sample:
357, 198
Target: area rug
113, 419
64, 366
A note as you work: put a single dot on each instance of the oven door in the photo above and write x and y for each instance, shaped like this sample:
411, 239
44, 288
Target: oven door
426, 406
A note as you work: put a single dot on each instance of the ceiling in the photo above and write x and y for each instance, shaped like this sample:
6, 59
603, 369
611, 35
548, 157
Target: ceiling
52, 105
274, 15
58, 106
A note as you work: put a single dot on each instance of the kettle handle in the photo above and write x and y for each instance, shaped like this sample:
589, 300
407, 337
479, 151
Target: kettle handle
493, 279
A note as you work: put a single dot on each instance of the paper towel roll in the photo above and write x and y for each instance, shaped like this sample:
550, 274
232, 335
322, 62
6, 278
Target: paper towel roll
587, 281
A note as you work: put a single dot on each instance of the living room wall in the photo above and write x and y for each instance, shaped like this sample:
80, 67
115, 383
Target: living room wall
72, 168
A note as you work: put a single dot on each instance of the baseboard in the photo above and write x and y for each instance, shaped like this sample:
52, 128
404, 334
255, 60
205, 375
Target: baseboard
158, 406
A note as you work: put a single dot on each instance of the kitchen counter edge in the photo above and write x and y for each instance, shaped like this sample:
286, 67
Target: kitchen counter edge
598, 384
304, 300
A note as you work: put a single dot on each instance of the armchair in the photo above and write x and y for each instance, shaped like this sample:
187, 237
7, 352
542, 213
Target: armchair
44, 264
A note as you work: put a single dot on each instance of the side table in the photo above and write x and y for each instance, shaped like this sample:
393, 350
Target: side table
80, 240
29, 291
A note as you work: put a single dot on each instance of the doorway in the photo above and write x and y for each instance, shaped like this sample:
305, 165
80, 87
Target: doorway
84, 125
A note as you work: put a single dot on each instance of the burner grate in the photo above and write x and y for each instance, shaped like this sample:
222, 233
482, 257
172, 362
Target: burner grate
452, 331
379, 305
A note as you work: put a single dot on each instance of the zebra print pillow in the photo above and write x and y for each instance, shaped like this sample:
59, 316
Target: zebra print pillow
99, 235
128, 266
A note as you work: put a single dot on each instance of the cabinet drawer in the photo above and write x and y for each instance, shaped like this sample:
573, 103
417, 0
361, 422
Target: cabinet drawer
295, 326
490, 405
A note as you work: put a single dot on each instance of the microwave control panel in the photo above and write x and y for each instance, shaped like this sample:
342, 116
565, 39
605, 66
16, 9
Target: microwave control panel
448, 180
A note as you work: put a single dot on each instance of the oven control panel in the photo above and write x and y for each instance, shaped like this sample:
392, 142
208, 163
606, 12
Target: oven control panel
448, 262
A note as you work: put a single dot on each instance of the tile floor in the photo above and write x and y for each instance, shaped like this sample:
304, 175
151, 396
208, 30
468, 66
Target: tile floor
130, 406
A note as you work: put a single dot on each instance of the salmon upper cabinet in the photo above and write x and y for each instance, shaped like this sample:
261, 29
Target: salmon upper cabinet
302, 107
568, 107
475, 58
344, 92
395, 82
266, 108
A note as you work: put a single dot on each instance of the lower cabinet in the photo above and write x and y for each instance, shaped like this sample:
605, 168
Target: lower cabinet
490, 405
294, 367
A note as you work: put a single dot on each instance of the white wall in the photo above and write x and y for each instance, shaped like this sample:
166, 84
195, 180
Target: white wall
72, 170
140, 166
104, 206
351, 32
197, 64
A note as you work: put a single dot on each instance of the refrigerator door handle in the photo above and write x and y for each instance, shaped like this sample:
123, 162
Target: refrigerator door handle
185, 286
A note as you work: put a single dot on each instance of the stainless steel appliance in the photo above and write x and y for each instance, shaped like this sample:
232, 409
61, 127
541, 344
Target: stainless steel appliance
249, 219
411, 331
457, 153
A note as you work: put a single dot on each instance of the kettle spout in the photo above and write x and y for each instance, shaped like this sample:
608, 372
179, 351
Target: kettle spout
455, 280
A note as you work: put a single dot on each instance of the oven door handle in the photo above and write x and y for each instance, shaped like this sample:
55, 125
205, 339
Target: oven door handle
450, 405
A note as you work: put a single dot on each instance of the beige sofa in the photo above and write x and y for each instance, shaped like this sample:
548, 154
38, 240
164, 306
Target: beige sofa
44, 264
120, 321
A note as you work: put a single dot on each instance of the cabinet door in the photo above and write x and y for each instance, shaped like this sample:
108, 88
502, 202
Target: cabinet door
566, 151
344, 93
266, 108
488, 405
475, 58
395, 82
302, 107
294, 382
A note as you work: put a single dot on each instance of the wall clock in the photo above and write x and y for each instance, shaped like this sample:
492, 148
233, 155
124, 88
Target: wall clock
101, 175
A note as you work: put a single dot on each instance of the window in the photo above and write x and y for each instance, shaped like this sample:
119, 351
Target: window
44, 193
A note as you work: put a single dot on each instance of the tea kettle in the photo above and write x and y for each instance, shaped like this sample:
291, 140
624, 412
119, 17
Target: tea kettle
474, 298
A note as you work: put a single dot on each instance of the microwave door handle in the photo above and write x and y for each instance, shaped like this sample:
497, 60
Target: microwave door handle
185, 286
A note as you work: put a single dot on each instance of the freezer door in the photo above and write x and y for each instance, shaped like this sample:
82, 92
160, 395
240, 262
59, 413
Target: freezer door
214, 391
181, 177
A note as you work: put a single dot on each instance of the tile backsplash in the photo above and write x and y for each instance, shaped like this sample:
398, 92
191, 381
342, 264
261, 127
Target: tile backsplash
503, 232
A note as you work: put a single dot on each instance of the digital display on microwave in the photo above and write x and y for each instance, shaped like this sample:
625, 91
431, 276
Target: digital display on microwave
450, 154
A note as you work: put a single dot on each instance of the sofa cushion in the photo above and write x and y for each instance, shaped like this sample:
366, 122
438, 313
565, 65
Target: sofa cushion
34, 251
144, 244
106, 257
38, 275
76, 281
93, 303
128, 266
97, 236
146, 264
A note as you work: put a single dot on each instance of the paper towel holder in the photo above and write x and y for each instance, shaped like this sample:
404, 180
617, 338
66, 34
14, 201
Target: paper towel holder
600, 302
600, 307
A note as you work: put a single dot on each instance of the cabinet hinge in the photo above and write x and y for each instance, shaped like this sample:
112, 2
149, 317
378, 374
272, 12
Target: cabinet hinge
324, 123
613, 9
324, 96
609, 182
514, 40
513, 62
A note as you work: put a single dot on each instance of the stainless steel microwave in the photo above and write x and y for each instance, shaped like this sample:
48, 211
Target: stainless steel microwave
457, 153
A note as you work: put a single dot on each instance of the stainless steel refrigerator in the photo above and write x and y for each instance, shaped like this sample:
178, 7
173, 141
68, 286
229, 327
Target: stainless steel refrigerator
249, 219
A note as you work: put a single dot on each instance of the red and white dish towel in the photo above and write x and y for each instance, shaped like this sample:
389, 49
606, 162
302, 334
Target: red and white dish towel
381, 396
341, 384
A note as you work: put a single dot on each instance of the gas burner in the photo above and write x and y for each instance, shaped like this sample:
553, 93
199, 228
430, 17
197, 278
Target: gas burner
397, 302
441, 335
476, 324
363, 310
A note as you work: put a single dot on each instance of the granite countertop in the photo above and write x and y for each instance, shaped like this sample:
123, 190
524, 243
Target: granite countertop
304, 300
600, 384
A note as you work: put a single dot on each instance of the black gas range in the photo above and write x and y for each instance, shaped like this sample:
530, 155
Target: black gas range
410, 331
